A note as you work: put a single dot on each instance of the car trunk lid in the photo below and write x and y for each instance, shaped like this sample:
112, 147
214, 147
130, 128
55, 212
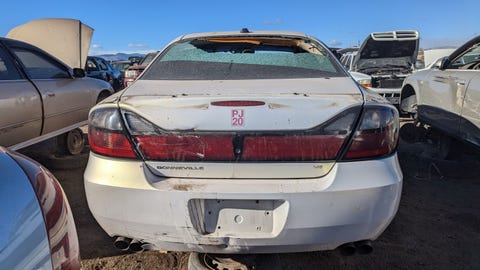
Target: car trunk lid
233, 129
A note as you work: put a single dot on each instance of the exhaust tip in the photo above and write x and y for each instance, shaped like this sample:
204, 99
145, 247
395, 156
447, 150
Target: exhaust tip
122, 243
347, 249
136, 246
364, 247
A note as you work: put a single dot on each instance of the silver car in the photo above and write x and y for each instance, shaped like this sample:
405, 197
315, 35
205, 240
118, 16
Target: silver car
41, 97
37, 230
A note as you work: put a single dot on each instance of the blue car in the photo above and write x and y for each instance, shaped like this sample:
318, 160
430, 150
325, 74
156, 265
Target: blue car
37, 230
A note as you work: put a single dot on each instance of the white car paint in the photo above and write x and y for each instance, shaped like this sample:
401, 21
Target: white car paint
447, 96
241, 205
354, 201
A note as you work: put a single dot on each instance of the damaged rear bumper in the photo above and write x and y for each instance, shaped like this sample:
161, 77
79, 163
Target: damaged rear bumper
355, 201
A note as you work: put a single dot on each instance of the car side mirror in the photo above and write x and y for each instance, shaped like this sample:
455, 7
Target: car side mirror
419, 65
78, 73
444, 64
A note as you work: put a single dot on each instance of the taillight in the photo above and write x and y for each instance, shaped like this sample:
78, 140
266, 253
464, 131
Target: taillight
376, 135
321, 143
186, 148
106, 135
130, 73
292, 148
62, 234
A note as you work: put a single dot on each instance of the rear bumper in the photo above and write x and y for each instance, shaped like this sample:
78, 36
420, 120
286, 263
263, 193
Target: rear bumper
355, 201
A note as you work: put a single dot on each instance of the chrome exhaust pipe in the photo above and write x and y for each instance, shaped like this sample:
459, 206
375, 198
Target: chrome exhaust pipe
347, 249
364, 247
136, 246
148, 246
122, 243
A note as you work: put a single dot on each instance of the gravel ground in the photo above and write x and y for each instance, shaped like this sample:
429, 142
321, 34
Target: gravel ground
437, 225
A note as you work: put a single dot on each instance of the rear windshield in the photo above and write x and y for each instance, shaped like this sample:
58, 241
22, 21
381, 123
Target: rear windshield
243, 58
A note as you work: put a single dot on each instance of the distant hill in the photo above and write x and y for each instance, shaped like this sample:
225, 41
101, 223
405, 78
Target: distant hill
118, 56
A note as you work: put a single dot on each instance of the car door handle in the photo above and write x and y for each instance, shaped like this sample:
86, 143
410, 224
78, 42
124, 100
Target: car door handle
50, 94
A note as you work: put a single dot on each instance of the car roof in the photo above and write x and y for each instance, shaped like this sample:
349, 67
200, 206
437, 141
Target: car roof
244, 33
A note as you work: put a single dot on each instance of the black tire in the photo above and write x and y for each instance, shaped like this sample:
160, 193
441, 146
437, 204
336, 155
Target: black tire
71, 143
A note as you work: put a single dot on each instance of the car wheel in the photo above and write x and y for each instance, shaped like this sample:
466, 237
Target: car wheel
409, 106
204, 261
71, 143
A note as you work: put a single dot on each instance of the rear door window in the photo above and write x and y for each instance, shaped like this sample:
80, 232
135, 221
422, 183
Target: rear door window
91, 66
39, 66
8, 71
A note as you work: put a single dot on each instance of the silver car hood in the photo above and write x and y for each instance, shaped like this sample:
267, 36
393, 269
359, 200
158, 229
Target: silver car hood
66, 39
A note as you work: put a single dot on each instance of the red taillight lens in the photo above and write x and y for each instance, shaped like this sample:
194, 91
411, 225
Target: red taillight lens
320, 143
107, 136
186, 148
110, 143
377, 134
291, 148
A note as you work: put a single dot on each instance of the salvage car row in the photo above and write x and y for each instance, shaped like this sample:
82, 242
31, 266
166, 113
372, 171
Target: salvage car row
444, 96
238, 137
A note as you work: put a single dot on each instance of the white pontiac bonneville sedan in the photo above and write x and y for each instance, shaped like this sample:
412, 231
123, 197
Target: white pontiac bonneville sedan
244, 142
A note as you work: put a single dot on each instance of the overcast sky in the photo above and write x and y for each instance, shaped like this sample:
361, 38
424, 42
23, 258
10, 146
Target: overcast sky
148, 25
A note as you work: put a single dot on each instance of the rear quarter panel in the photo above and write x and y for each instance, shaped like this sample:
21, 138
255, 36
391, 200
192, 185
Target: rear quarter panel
23, 237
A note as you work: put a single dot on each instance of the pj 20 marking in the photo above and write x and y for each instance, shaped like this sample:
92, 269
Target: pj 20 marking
238, 117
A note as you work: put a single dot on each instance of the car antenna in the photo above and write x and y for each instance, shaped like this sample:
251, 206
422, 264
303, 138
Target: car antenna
245, 30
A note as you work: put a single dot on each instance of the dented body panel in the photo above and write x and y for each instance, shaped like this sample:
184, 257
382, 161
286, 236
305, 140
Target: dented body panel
289, 104
354, 201
447, 97
252, 142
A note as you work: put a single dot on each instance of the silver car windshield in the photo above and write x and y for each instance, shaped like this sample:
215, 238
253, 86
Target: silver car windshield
237, 58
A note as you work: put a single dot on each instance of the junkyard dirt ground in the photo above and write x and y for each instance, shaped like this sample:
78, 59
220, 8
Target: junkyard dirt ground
437, 225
